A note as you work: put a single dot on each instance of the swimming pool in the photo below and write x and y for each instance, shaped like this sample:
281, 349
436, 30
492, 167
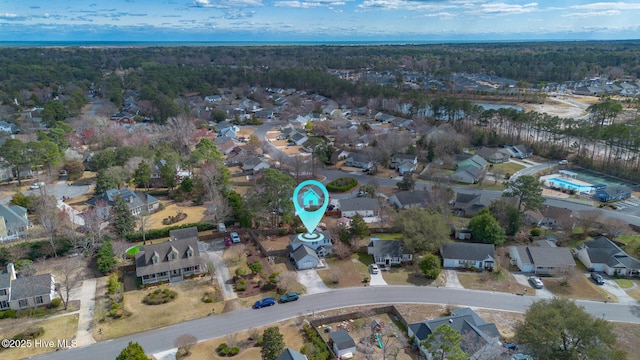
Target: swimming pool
562, 183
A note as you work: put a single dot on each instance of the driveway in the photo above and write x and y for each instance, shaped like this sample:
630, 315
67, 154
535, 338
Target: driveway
86, 293
524, 281
377, 279
312, 281
613, 288
215, 248
452, 280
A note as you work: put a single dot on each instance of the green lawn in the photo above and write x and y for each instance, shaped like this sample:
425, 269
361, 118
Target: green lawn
624, 283
508, 167
387, 236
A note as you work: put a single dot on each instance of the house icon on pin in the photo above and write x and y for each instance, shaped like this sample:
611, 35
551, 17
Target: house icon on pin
311, 198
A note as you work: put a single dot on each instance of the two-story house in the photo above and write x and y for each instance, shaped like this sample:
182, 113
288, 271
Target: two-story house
13, 222
19, 293
307, 254
138, 202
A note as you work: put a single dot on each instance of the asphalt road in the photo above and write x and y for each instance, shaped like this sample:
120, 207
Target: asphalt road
220, 325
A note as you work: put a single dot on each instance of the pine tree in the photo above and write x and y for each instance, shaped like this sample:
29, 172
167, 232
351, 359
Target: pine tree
272, 344
123, 219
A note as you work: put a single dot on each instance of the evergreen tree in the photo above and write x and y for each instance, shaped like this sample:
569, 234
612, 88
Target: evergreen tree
105, 259
142, 175
485, 227
132, 352
272, 344
444, 343
123, 219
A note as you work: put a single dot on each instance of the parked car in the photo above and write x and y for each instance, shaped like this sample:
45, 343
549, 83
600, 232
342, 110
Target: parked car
227, 241
222, 227
563, 162
264, 303
235, 237
536, 282
597, 278
290, 296
374, 268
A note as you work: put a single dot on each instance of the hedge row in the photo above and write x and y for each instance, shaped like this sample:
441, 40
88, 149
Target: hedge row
342, 184
164, 232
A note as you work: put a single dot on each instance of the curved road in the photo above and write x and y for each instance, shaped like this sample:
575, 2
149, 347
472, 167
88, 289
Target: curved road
160, 340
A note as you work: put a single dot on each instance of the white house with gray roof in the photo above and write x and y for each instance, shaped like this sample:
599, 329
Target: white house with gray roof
25, 292
602, 254
172, 260
468, 255
14, 223
388, 252
138, 202
365, 206
410, 199
543, 259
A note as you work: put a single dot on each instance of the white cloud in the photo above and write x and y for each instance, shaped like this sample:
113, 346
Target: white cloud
588, 14
13, 17
410, 5
236, 14
608, 6
225, 4
308, 4
506, 9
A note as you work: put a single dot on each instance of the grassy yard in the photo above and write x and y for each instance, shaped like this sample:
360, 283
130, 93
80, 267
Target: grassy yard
248, 350
59, 328
624, 283
406, 275
635, 292
347, 273
580, 288
141, 317
501, 281
507, 168
387, 236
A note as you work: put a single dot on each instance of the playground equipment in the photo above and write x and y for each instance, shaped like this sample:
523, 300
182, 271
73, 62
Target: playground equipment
379, 341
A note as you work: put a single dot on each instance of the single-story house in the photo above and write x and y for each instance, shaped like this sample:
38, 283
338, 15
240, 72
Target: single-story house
342, 343
171, 260
305, 257
612, 193
467, 175
229, 131
468, 255
410, 199
548, 216
358, 160
13, 222
475, 161
322, 247
138, 202
365, 206
544, 259
398, 159
25, 292
494, 155
290, 354
481, 338
519, 151
254, 164
8, 127
603, 255
469, 204
388, 252
298, 138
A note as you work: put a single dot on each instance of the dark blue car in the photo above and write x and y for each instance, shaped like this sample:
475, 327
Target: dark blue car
264, 303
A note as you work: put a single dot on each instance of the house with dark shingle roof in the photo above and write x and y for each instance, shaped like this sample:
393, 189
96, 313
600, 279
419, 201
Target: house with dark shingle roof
137, 201
171, 260
468, 255
544, 259
253, 165
494, 155
322, 247
290, 354
25, 292
602, 254
482, 339
358, 160
305, 257
410, 199
365, 206
388, 252
13, 222
468, 204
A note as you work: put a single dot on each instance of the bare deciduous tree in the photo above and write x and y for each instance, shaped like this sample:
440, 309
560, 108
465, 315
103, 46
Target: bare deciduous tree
49, 217
120, 248
586, 219
71, 276
211, 270
614, 227
185, 342
181, 131
286, 280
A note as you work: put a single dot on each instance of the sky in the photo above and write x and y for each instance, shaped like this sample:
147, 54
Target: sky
410, 21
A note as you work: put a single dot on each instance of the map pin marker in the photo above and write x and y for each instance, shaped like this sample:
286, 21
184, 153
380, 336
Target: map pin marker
314, 199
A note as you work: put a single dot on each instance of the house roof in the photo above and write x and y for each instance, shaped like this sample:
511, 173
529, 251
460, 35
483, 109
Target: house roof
290, 354
412, 197
302, 252
134, 199
359, 204
401, 157
384, 248
602, 250
26, 287
465, 321
342, 339
5, 279
186, 233
357, 157
467, 251
13, 216
145, 266
546, 256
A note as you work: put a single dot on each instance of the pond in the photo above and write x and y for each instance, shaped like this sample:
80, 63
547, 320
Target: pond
499, 106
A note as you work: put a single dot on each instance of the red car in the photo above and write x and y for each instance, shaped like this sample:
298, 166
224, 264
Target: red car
227, 241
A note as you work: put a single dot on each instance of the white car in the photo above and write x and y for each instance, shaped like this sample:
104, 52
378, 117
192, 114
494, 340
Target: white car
563, 162
536, 282
235, 237
374, 268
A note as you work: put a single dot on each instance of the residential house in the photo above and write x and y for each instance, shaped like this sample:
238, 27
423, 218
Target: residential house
5, 173
322, 247
8, 127
171, 260
253, 165
226, 147
384, 118
404, 163
543, 259
548, 216
603, 255
482, 339
213, 98
365, 206
14, 222
612, 193
467, 175
468, 255
358, 160
469, 204
138, 202
19, 293
230, 131
474, 161
342, 344
519, 151
156, 173
290, 354
494, 155
410, 199
305, 257
388, 252
298, 138
236, 156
